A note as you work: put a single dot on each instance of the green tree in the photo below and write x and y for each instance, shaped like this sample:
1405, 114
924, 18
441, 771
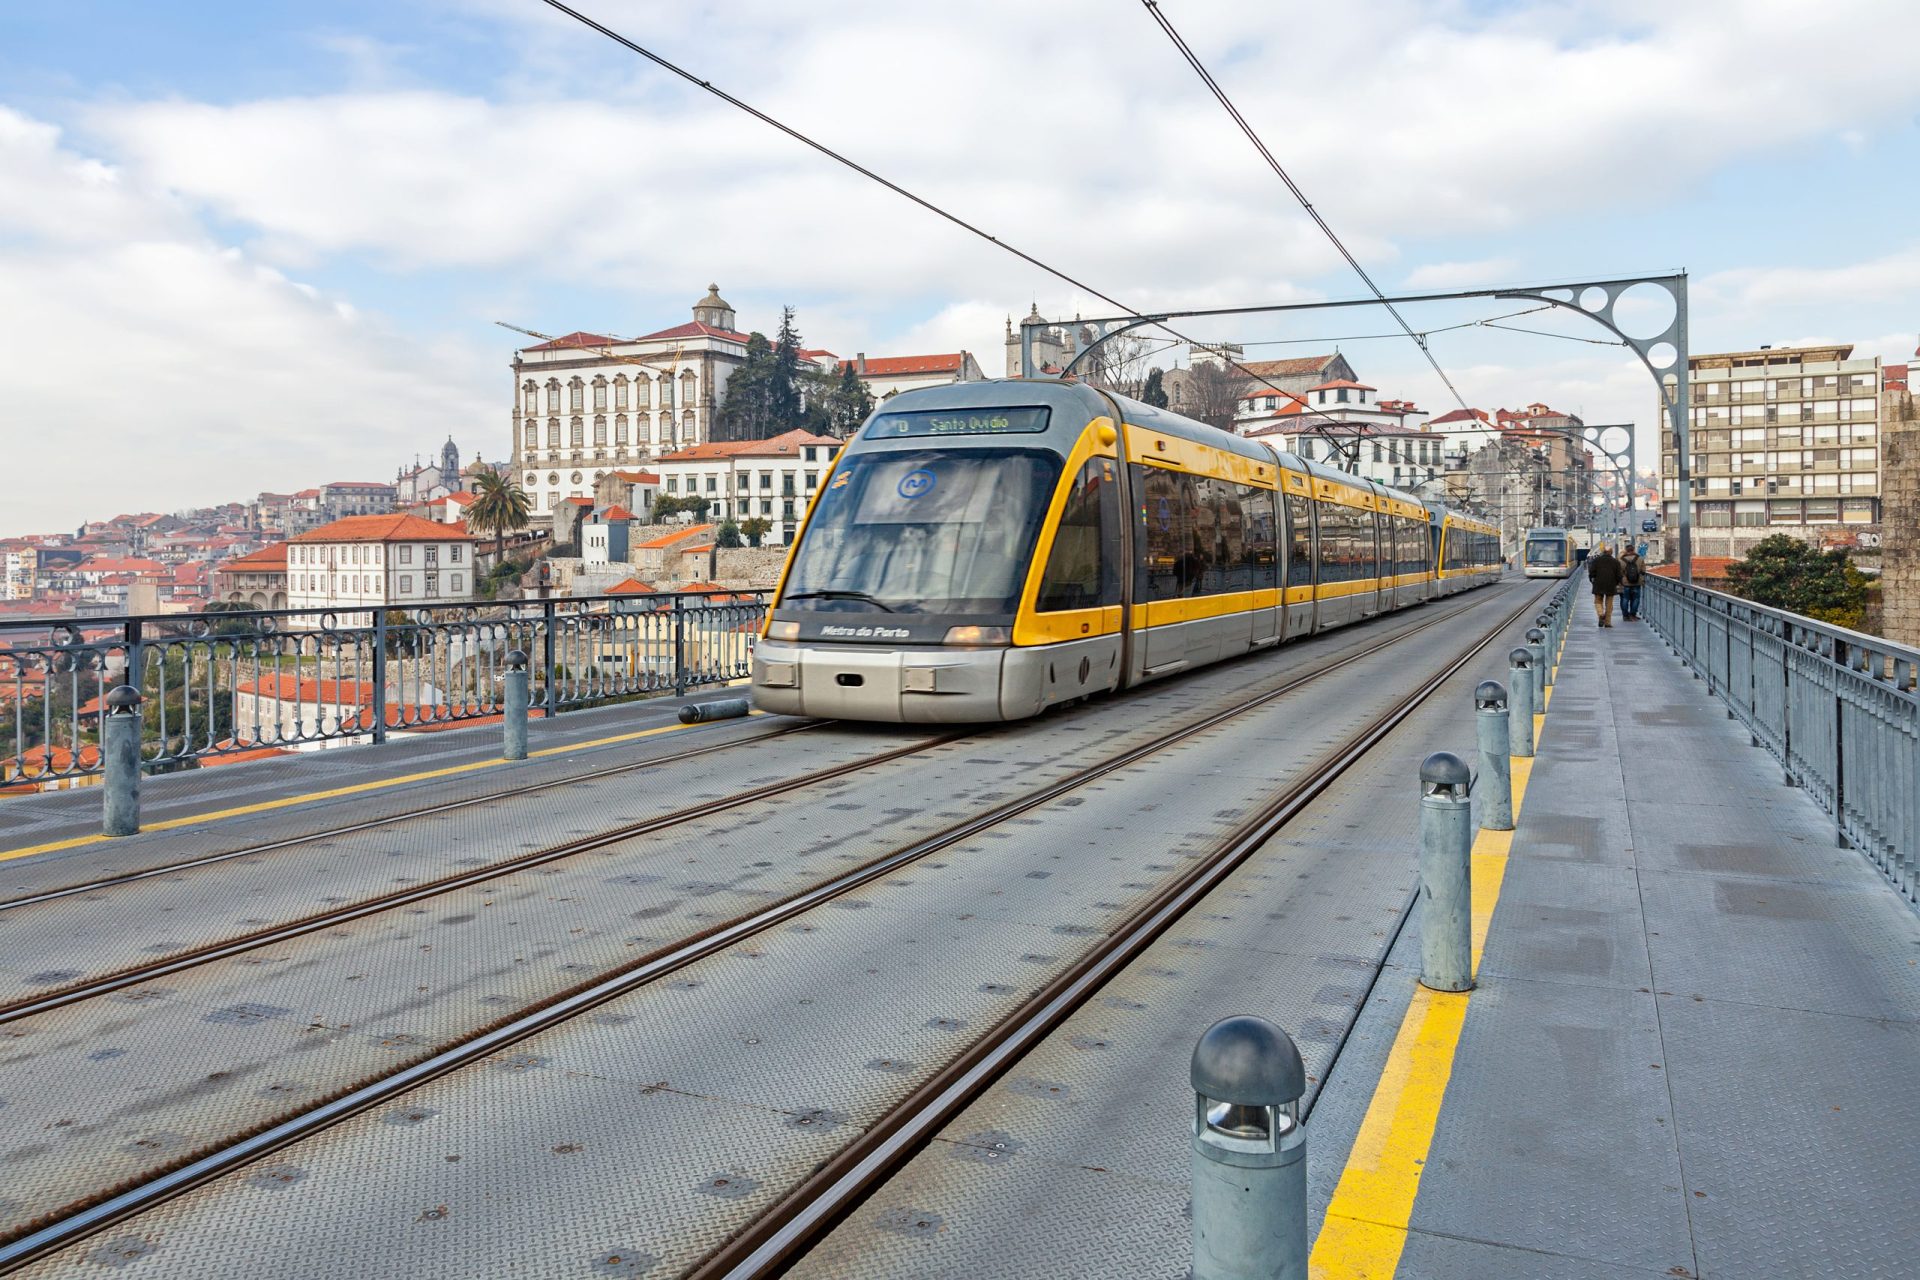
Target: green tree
695, 504
500, 506
847, 403
756, 528
729, 536
746, 411
784, 399
1783, 572
1155, 391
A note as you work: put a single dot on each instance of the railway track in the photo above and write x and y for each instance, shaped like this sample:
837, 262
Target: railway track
53, 1235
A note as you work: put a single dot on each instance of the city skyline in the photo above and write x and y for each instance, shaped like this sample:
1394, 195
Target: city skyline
289, 263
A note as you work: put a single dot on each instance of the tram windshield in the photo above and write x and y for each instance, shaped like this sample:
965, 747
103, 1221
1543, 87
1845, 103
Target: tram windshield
923, 531
1545, 551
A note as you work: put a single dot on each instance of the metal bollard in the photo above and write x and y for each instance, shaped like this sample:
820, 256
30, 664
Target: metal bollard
1542, 647
120, 749
1249, 1154
720, 709
1520, 703
1496, 771
518, 695
1446, 873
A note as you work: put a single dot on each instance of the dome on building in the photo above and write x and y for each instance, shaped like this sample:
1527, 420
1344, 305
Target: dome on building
714, 309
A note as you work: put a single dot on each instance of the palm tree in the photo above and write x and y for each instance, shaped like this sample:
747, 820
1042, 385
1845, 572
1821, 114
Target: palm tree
500, 506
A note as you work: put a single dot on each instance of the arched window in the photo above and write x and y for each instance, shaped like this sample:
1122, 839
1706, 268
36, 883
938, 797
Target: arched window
620, 391
576, 395
553, 395
577, 435
600, 425
620, 430
553, 433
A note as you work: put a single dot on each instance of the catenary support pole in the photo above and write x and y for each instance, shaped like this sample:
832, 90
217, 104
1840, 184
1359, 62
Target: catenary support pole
1496, 767
1249, 1154
120, 745
518, 694
1446, 881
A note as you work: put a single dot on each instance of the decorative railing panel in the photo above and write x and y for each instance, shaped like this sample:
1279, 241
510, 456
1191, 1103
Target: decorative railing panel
221, 685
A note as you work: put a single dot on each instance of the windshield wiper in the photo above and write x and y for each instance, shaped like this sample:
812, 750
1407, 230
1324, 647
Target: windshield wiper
861, 596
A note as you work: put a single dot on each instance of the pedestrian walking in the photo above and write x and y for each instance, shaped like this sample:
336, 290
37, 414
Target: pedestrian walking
1633, 572
1603, 575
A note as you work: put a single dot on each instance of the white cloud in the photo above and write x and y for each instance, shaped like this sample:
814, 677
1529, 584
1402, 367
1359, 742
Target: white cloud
151, 369
1462, 275
1895, 276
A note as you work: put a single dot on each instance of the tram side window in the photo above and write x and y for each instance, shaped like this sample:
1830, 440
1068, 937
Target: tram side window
1339, 542
1208, 540
1260, 551
1168, 568
1083, 569
1300, 548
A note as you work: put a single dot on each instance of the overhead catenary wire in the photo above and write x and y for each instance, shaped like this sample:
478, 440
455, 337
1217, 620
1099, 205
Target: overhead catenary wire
1213, 86
865, 172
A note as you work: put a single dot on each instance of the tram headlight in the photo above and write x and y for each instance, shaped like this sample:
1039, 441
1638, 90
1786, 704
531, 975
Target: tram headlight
978, 635
783, 631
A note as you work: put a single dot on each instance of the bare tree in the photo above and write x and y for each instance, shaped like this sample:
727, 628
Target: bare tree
1119, 364
1213, 394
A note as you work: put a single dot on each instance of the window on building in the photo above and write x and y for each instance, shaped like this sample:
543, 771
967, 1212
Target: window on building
766, 479
600, 431
600, 395
433, 555
746, 481
576, 396
457, 584
666, 391
432, 584
406, 584
673, 484
766, 506
713, 484
553, 433
456, 553
620, 391
406, 553
553, 396
577, 436
532, 436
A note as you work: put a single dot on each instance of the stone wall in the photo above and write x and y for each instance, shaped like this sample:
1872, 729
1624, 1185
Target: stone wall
1900, 518
749, 568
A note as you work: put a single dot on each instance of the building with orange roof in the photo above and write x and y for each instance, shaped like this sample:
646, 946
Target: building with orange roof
379, 561
257, 580
888, 376
770, 479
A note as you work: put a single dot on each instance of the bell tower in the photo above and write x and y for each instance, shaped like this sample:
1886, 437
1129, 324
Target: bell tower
715, 310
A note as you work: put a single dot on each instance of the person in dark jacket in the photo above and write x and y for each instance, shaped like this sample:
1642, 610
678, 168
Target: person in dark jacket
1633, 572
1603, 575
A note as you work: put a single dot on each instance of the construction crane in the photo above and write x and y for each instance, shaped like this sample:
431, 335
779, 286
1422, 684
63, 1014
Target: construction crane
671, 369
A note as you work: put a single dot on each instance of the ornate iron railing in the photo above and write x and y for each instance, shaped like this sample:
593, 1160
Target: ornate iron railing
1839, 709
219, 685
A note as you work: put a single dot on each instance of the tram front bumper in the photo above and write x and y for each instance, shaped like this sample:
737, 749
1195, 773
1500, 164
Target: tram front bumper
861, 682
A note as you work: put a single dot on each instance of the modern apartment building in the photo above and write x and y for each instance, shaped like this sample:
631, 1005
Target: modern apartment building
1784, 440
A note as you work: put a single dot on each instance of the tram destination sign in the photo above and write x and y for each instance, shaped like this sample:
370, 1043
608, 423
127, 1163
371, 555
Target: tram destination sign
958, 422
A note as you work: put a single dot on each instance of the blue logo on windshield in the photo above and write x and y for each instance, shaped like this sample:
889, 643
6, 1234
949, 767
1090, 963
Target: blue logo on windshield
916, 484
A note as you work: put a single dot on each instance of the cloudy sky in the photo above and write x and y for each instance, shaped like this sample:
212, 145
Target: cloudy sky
251, 245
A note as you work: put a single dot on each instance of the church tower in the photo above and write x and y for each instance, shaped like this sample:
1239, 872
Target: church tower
450, 464
715, 310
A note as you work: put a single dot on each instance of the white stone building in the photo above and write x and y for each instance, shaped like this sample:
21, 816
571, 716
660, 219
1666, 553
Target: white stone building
773, 479
364, 563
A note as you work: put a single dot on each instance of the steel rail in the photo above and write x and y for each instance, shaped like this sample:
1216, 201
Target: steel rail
844, 1181
561, 1008
242, 943
370, 824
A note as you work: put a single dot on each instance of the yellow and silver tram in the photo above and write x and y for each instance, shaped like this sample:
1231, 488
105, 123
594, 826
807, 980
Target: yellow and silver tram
986, 550
1549, 553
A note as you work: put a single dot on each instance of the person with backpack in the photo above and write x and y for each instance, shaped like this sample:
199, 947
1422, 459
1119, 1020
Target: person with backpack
1633, 573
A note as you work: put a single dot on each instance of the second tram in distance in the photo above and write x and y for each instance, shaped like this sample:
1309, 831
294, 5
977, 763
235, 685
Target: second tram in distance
1549, 553
985, 550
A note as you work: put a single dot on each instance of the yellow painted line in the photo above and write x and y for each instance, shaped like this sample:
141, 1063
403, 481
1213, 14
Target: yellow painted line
358, 788
1365, 1230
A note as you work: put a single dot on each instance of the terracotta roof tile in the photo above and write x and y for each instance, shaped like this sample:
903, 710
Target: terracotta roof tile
631, 587
893, 366
387, 528
1291, 368
669, 539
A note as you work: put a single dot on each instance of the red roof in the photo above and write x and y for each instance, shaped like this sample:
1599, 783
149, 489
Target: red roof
1342, 382
1893, 377
616, 512
885, 366
701, 549
1458, 415
50, 758
104, 564
668, 539
388, 528
631, 587
693, 329
787, 443
1712, 568
461, 499
574, 341
291, 688
1290, 368
266, 560
638, 477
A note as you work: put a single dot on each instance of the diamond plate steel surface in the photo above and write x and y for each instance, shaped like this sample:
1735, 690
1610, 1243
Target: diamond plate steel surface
1429, 1257
1799, 1157
829, 1019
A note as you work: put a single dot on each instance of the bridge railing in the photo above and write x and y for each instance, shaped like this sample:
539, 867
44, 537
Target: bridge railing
1838, 708
219, 685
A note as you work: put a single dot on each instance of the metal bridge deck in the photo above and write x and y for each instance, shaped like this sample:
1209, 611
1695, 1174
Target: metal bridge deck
1688, 1053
